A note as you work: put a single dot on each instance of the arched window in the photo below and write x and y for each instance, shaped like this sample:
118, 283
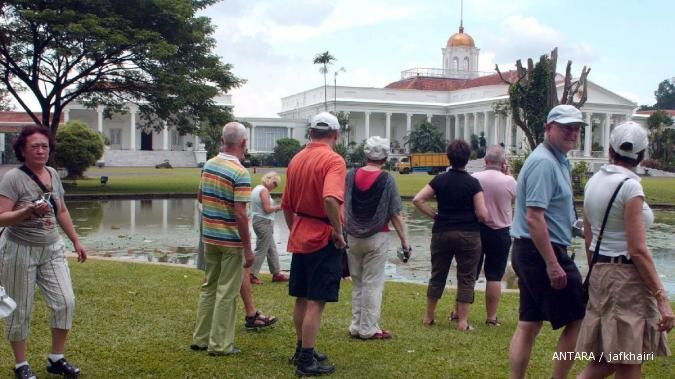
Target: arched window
455, 64
466, 64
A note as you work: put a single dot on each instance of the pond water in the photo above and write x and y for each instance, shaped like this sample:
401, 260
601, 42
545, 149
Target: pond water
166, 230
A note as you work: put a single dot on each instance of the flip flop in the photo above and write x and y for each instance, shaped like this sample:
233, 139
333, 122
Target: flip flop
453, 317
494, 322
468, 328
432, 322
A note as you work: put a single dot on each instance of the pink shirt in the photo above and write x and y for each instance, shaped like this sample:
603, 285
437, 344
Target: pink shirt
499, 191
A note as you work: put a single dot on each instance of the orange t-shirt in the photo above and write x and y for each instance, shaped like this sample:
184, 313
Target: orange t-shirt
316, 172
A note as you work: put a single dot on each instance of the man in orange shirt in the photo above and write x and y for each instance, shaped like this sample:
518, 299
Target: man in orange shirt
312, 204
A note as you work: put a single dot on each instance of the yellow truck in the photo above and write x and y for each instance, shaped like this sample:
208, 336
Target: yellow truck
431, 163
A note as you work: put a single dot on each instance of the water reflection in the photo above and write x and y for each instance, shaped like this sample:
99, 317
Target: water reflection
166, 230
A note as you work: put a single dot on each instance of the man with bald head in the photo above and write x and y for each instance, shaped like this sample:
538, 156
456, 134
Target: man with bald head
499, 191
224, 190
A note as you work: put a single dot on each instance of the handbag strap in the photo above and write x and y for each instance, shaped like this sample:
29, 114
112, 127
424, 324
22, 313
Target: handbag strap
37, 181
596, 252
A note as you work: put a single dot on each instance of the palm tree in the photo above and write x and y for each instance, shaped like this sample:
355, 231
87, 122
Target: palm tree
324, 59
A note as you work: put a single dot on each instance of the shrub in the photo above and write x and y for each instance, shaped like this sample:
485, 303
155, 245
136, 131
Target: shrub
651, 163
77, 148
516, 164
285, 149
579, 177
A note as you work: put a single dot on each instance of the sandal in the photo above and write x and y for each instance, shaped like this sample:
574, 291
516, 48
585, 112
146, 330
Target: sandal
430, 323
494, 322
259, 321
380, 335
453, 317
254, 280
468, 328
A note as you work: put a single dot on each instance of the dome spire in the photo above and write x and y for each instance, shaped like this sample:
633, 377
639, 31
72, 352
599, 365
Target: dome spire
461, 17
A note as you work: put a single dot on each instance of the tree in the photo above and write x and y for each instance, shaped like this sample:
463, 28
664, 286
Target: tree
77, 147
343, 120
157, 55
534, 93
661, 145
324, 59
665, 95
285, 149
425, 139
5, 102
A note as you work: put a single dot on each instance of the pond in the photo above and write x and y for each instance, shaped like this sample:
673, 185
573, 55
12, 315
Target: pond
166, 230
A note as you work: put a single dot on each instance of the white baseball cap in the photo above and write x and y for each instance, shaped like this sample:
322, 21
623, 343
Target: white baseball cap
325, 121
628, 139
376, 148
565, 114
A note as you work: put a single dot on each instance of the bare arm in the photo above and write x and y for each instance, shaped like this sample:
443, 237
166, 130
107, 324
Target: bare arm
66, 223
332, 208
289, 216
242, 226
639, 253
588, 238
420, 201
397, 222
9, 217
479, 207
265, 200
542, 241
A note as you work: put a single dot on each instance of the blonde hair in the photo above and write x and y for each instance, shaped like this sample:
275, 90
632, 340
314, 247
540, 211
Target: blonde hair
270, 179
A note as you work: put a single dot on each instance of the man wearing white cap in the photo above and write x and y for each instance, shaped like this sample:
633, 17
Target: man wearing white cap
371, 202
312, 204
549, 281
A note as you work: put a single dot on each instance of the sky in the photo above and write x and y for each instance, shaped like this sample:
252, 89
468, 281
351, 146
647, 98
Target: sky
272, 43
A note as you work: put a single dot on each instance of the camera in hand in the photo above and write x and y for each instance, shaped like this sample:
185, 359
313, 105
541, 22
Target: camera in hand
403, 254
578, 228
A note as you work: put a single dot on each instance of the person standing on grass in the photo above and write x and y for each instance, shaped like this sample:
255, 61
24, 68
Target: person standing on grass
33, 253
499, 191
548, 280
371, 202
312, 204
455, 234
224, 191
628, 310
263, 209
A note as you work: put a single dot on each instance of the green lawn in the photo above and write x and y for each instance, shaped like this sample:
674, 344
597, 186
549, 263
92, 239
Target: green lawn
186, 180
136, 320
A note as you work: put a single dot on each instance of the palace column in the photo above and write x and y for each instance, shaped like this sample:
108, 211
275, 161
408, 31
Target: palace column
495, 130
165, 136
456, 120
467, 131
132, 128
367, 116
588, 137
605, 135
508, 133
447, 127
485, 129
99, 118
250, 143
387, 126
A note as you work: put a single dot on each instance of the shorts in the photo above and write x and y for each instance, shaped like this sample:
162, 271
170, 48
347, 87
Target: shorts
538, 300
316, 276
495, 244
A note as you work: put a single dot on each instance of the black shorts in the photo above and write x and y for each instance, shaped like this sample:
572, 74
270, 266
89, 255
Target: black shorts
316, 276
538, 300
495, 244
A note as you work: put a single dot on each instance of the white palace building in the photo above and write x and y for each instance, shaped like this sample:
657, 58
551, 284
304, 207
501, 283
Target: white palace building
457, 99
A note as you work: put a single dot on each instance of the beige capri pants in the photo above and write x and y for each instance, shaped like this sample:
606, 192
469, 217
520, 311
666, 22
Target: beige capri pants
22, 266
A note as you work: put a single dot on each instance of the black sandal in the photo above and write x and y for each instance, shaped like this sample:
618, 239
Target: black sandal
258, 321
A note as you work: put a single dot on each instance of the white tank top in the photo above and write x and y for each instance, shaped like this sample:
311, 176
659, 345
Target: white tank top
257, 209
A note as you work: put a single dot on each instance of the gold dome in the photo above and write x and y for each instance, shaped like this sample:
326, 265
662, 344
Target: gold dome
460, 39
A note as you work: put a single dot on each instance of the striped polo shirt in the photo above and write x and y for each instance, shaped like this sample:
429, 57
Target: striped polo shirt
224, 181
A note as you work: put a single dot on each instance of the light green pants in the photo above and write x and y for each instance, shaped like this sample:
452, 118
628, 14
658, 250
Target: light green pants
218, 299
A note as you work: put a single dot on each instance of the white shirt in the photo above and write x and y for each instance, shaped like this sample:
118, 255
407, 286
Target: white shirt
257, 209
599, 190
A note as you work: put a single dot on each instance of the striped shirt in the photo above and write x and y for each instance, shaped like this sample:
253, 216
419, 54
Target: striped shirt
224, 181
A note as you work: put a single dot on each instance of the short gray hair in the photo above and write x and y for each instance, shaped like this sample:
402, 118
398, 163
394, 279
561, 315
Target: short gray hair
495, 154
233, 133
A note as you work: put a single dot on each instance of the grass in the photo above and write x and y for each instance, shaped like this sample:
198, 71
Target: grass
124, 180
136, 320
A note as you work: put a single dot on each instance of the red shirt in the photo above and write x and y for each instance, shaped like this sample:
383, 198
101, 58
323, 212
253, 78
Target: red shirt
316, 172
